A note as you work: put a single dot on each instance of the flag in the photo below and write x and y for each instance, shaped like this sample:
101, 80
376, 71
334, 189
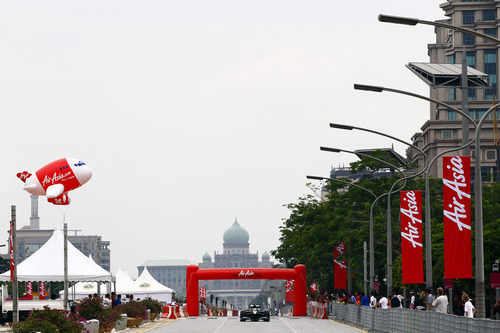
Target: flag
29, 290
340, 267
289, 293
456, 215
411, 237
41, 290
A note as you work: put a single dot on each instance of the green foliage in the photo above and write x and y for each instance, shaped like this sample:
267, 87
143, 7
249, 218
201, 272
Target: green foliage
48, 321
133, 309
93, 308
151, 304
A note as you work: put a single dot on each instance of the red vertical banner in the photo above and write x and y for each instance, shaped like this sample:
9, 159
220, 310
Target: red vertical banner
340, 267
11, 250
289, 295
29, 290
456, 214
412, 253
41, 289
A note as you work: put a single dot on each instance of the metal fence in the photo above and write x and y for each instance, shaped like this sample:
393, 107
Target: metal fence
408, 321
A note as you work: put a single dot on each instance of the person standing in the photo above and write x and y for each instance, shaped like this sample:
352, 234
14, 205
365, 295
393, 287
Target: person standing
365, 301
428, 299
412, 300
383, 303
440, 304
373, 301
469, 309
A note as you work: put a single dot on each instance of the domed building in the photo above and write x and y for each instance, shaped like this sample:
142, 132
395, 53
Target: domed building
235, 253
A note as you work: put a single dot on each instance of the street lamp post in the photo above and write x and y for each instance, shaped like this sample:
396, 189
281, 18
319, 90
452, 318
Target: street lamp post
389, 226
478, 213
371, 211
389, 217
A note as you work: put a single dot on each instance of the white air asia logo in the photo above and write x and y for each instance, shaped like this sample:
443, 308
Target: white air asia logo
53, 179
246, 274
340, 248
341, 264
412, 235
458, 211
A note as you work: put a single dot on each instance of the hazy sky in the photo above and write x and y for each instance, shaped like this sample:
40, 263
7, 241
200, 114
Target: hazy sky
192, 113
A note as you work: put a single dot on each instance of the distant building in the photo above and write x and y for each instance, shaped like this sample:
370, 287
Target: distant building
30, 238
170, 273
235, 254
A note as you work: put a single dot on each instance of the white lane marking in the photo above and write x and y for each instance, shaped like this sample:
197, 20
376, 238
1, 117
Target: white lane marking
287, 324
220, 326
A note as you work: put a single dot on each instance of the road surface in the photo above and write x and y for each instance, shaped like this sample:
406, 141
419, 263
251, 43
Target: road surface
233, 325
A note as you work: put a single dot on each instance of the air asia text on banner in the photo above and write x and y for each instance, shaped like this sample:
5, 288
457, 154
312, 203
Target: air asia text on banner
340, 267
411, 237
456, 215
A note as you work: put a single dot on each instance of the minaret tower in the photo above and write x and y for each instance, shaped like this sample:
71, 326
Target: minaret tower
34, 219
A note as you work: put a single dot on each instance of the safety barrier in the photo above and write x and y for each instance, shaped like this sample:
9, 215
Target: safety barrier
408, 321
317, 310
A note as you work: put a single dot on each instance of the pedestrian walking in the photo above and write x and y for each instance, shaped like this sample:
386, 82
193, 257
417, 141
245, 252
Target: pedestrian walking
428, 299
412, 300
469, 309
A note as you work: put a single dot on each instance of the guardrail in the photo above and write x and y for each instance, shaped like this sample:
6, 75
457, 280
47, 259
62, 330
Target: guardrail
407, 320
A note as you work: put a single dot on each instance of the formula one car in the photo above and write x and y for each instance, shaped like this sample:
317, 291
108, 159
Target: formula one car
254, 313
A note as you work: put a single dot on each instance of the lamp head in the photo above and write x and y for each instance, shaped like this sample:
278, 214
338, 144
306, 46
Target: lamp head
340, 126
398, 19
315, 177
368, 87
332, 150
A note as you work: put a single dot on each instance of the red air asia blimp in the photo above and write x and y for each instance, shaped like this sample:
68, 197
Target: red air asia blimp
56, 179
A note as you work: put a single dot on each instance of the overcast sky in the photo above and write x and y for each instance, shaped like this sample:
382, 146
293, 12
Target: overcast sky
192, 113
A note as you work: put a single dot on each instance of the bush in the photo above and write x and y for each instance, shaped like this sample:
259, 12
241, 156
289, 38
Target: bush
49, 320
93, 308
151, 304
133, 309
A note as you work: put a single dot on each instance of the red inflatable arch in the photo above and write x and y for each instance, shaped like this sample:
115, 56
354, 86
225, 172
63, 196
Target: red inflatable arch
298, 273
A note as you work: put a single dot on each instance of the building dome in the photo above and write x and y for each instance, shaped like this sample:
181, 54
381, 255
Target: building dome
265, 256
236, 235
207, 257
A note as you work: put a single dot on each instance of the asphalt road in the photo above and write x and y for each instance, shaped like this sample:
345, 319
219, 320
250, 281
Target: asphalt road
232, 325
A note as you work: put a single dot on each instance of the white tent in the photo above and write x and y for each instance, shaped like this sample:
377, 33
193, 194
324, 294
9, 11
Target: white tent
123, 282
47, 264
145, 286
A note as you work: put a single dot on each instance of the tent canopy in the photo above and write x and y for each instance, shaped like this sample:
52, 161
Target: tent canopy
47, 264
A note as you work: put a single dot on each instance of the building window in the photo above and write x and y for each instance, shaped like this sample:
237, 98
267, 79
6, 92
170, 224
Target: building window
468, 39
490, 32
447, 134
471, 58
451, 94
450, 59
471, 94
490, 68
452, 115
480, 113
468, 17
489, 15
